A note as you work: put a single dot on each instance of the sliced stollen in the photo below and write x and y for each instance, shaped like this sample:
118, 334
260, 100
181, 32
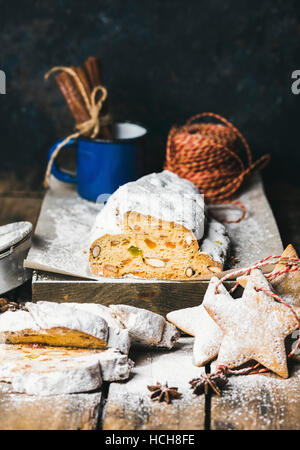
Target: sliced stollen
55, 370
128, 323
157, 227
60, 324
115, 366
118, 336
146, 327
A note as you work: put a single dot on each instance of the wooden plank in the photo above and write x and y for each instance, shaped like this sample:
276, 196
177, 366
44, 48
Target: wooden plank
129, 406
157, 297
258, 402
59, 412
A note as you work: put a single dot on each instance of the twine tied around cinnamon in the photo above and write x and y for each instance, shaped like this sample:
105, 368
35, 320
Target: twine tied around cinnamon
91, 127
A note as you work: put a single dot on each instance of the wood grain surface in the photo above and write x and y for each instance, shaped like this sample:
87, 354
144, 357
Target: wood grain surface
157, 297
59, 412
129, 406
258, 402
252, 402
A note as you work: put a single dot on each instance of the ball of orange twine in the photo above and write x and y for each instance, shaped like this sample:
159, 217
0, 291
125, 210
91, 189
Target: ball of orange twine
210, 156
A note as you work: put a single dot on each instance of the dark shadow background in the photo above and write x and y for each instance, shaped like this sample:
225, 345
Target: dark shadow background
163, 61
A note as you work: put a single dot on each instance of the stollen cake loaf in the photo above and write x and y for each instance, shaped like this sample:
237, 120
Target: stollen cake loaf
157, 227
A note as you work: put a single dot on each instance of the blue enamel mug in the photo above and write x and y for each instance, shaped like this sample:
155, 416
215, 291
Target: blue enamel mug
102, 165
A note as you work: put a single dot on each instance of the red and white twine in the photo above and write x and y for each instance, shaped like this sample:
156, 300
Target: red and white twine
208, 155
292, 265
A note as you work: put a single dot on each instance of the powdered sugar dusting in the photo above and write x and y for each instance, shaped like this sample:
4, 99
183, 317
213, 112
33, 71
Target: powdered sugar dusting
161, 195
254, 326
262, 402
197, 322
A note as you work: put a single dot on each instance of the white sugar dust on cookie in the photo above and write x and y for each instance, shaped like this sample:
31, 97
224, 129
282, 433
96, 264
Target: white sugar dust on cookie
287, 285
254, 326
197, 322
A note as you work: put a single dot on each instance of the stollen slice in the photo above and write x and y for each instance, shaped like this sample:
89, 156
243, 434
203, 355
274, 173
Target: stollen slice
140, 325
41, 370
146, 327
118, 336
60, 324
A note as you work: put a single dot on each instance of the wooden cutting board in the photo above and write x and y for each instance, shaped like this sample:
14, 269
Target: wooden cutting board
60, 243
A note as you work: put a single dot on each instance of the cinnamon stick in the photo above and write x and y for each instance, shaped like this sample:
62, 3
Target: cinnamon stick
92, 66
83, 78
93, 69
72, 96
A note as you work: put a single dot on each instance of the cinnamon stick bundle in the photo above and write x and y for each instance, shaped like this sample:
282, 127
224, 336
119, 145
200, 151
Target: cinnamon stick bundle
90, 76
72, 97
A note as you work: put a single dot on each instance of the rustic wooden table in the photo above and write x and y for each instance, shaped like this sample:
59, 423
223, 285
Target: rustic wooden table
253, 402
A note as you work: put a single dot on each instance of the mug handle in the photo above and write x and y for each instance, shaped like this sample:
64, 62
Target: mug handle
60, 174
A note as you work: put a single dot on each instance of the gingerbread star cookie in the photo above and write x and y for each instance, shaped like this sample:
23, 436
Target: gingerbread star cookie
197, 322
255, 326
286, 285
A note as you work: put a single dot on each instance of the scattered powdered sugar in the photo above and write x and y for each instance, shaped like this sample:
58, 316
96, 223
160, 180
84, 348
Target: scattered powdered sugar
256, 402
256, 236
61, 238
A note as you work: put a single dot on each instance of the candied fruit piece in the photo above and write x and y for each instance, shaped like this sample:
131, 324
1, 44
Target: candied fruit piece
135, 251
150, 243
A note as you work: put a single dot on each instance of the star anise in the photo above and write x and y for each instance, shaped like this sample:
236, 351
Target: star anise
163, 393
211, 381
8, 305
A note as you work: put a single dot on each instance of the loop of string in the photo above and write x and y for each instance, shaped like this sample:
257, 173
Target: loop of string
207, 154
292, 265
90, 127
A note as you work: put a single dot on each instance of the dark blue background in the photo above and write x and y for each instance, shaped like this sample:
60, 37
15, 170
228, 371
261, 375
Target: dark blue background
164, 60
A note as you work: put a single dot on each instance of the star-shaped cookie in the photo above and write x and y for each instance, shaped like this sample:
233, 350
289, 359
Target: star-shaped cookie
286, 285
197, 322
254, 326
208, 335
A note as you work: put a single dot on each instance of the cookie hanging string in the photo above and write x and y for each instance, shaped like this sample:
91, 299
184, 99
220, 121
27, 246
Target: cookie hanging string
207, 154
217, 380
293, 264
